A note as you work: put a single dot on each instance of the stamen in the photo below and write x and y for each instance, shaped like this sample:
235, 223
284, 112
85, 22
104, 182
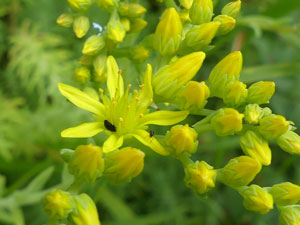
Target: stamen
141, 115
121, 119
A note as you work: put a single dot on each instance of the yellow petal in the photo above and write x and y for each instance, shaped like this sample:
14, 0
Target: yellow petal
81, 99
114, 78
112, 143
83, 131
164, 118
144, 137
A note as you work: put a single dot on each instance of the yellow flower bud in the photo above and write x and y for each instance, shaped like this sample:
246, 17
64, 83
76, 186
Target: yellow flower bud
289, 142
256, 199
261, 92
193, 96
239, 171
267, 111
167, 36
131, 9
116, 30
80, 4
58, 204
286, 193
126, 23
225, 72
227, 24
107, 4
99, 64
170, 79
137, 24
200, 177
289, 215
202, 35
140, 53
273, 126
65, 20
232, 8
93, 45
123, 165
253, 113
184, 15
82, 74
86, 211
186, 3
81, 26
235, 94
201, 11
255, 146
181, 139
87, 163
227, 121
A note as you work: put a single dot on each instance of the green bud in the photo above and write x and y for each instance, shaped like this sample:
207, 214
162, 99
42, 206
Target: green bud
93, 45
81, 26
227, 121
239, 171
202, 35
201, 11
65, 20
286, 193
82, 74
227, 24
225, 72
235, 94
123, 165
80, 4
99, 64
116, 30
289, 215
273, 126
255, 146
200, 177
256, 199
87, 163
253, 113
181, 139
261, 92
131, 9
289, 142
137, 24
66, 154
232, 8
167, 36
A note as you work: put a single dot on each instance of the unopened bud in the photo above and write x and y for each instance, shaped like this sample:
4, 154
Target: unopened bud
126, 23
80, 4
87, 163
65, 20
137, 24
273, 126
140, 53
227, 24
116, 30
239, 171
286, 193
93, 45
107, 4
131, 9
99, 64
81, 26
184, 15
261, 92
201, 11
255, 146
289, 142
167, 36
186, 3
123, 165
200, 177
235, 94
289, 215
82, 74
227, 121
253, 113
256, 199
181, 139
232, 8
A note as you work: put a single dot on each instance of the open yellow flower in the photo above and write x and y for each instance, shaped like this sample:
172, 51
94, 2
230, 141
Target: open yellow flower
122, 114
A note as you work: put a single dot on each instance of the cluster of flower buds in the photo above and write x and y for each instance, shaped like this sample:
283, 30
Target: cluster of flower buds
178, 46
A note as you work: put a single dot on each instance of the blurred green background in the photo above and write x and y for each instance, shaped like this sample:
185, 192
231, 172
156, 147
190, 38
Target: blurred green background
36, 54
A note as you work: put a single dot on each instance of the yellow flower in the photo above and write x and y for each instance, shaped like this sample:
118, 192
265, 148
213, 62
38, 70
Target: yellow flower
201, 11
123, 165
122, 114
286, 193
261, 92
232, 8
86, 211
289, 215
256, 199
227, 121
58, 204
255, 146
273, 126
289, 142
200, 177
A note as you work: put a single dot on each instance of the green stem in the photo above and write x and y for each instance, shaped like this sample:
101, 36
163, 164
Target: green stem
75, 186
185, 160
204, 112
203, 128
206, 120
171, 4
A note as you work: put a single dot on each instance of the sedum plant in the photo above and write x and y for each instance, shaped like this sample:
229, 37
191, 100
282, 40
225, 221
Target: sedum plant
167, 61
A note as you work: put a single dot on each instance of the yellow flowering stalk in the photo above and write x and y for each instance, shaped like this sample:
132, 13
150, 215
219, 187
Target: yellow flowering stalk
122, 114
286, 193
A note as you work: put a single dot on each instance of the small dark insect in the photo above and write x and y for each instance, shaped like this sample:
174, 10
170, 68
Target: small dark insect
151, 133
109, 126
